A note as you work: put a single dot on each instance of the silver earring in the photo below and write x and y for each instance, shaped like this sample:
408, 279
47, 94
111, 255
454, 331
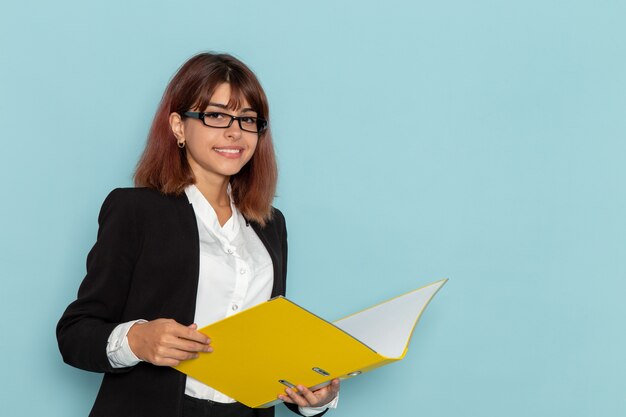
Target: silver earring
181, 144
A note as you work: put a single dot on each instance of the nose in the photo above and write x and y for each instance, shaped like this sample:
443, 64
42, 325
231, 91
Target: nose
233, 132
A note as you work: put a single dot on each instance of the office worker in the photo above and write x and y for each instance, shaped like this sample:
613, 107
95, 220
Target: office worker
196, 241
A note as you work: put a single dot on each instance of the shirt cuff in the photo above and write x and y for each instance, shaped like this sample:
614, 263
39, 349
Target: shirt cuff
118, 350
311, 411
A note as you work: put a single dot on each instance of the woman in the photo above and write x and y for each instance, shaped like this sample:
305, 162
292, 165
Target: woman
196, 242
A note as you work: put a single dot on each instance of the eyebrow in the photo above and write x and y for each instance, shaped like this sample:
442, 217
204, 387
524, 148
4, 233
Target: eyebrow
225, 107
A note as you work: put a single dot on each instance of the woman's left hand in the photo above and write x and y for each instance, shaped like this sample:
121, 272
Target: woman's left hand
304, 397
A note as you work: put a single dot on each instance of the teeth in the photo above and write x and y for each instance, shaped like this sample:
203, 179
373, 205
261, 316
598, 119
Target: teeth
227, 150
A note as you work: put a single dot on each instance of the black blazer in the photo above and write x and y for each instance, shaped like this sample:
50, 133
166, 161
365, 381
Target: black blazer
145, 264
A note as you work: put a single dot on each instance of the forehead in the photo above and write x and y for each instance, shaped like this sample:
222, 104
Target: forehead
225, 95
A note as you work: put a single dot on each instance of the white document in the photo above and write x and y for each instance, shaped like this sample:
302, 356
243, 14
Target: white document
387, 327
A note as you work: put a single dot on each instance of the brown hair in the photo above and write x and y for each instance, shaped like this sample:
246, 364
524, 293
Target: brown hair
163, 166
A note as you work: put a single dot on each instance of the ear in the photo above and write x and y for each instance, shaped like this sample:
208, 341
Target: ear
177, 125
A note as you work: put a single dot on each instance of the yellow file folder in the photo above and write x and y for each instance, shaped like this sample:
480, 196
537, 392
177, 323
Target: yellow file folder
260, 351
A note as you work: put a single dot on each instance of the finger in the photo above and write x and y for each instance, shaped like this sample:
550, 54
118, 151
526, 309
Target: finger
296, 397
185, 332
285, 398
335, 385
187, 345
312, 398
173, 358
175, 354
192, 334
196, 347
166, 362
181, 355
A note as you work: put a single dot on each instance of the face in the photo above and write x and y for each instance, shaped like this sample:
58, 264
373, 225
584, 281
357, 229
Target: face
214, 154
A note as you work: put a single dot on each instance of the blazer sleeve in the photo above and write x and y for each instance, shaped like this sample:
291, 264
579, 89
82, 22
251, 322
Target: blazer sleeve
281, 228
295, 409
84, 328
284, 251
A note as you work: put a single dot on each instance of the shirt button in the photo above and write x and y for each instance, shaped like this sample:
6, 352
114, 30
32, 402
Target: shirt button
235, 307
229, 250
242, 271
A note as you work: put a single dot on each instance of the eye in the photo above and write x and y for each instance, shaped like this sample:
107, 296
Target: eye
214, 115
248, 120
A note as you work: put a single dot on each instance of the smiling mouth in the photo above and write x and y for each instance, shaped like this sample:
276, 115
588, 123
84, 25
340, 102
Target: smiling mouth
230, 153
228, 150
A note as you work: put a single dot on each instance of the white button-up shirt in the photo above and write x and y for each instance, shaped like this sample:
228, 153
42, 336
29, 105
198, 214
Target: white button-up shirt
236, 273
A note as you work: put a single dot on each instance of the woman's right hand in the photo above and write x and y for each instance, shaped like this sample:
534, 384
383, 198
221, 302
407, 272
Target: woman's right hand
165, 342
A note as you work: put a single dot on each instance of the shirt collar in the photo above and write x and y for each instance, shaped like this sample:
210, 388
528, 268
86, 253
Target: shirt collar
205, 212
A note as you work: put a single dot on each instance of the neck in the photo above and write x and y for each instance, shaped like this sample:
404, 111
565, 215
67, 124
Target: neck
214, 190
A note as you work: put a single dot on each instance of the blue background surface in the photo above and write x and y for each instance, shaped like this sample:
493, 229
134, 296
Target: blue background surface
480, 141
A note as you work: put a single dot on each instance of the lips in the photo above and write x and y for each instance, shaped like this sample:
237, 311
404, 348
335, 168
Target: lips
229, 151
